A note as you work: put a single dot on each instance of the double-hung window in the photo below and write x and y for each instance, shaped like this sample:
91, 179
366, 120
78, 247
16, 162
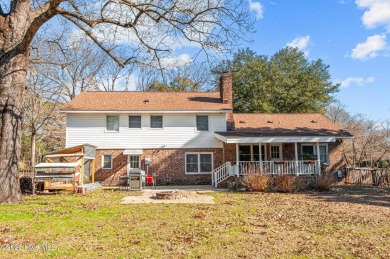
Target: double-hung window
135, 122
156, 122
199, 163
202, 123
112, 123
309, 149
107, 161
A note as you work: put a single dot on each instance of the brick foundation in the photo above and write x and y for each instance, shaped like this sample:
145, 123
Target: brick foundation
168, 164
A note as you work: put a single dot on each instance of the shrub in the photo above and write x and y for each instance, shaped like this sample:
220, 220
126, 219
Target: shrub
324, 182
256, 182
285, 183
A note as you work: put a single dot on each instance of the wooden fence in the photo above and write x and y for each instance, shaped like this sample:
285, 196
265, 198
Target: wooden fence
368, 176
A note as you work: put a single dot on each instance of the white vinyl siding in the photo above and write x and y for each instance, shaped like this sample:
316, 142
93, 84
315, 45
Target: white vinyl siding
179, 132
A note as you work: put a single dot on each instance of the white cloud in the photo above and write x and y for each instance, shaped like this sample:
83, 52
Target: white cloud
359, 81
172, 62
377, 13
302, 43
369, 48
257, 8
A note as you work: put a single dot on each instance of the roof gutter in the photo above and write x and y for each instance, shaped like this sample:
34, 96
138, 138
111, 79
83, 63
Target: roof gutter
144, 111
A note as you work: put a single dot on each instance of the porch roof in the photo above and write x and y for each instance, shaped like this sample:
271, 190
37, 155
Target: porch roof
254, 138
262, 127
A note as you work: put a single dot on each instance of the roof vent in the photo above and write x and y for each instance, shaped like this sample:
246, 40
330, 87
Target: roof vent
270, 122
313, 121
146, 101
242, 121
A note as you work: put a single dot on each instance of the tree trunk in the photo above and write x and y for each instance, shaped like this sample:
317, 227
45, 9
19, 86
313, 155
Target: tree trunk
12, 85
33, 138
14, 59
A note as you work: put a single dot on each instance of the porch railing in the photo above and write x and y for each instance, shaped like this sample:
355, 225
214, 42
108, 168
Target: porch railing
221, 173
300, 167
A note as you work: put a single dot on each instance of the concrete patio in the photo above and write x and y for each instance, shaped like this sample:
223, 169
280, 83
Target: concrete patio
190, 194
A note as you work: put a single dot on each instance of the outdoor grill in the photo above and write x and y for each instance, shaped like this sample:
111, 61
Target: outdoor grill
135, 179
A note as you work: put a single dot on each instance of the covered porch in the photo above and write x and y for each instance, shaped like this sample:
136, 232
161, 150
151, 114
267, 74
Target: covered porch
296, 158
277, 144
274, 155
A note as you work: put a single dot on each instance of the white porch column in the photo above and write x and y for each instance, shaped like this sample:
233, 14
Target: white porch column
237, 160
296, 159
318, 159
260, 159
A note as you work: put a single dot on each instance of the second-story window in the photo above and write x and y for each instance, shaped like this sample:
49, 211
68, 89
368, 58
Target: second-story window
202, 123
135, 122
156, 122
112, 123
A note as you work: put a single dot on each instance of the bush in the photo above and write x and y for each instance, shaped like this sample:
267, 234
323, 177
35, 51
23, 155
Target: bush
256, 182
324, 182
285, 183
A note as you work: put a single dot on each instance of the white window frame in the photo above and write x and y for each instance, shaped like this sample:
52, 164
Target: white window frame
327, 152
128, 121
315, 149
280, 152
119, 124
252, 153
150, 122
198, 153
106, 168
196, 123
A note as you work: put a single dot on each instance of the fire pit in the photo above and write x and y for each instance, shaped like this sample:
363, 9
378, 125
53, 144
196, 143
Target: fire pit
168, 195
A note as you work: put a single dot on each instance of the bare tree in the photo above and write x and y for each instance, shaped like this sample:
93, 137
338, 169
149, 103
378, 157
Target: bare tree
371, 142
112, 77
191, 76
154, 28
41, 108
71, 64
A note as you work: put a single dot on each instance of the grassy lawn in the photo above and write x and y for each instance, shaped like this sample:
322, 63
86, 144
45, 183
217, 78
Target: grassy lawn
346, 222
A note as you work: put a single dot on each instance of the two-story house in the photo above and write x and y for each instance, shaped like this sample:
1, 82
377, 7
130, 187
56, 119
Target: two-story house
195, 138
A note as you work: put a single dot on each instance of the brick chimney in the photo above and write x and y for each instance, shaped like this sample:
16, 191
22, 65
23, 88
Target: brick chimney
226, 88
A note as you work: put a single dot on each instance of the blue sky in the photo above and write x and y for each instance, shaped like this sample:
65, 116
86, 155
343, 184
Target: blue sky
353, 37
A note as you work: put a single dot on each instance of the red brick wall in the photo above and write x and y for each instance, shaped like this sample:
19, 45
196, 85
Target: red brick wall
168, 164
226, 88
229, 153
288, 150
336, 159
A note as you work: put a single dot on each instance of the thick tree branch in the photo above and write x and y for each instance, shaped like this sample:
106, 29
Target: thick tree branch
94, 39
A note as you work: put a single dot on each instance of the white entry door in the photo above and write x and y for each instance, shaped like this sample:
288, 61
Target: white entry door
134, 162
276, 152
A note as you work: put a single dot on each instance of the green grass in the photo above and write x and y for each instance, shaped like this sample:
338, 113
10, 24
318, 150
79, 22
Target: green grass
239, 225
